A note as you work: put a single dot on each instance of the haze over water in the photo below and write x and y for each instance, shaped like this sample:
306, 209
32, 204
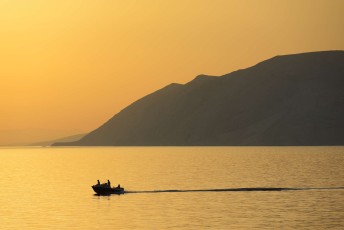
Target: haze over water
49, 188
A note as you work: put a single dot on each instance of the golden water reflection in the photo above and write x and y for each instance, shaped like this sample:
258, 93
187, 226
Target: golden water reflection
49, 188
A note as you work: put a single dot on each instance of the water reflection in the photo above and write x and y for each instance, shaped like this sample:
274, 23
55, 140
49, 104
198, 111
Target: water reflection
173, 188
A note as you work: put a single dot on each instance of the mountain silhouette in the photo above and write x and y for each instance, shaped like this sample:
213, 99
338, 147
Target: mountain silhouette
290, 100
60, 140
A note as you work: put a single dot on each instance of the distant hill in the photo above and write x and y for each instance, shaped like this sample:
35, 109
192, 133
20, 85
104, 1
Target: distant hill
60, 140
286, 100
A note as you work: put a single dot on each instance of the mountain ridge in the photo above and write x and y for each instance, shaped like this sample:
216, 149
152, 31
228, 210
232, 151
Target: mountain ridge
59, 140
286, 100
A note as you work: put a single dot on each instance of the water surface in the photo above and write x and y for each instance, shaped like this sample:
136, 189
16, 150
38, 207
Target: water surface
173, 188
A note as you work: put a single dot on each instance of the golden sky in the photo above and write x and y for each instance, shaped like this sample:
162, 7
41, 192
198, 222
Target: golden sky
67, 66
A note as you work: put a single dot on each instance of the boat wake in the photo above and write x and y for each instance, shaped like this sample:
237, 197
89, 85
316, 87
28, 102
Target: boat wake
263, 189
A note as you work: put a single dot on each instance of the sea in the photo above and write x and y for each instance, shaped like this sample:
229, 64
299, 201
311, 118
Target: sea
172, 188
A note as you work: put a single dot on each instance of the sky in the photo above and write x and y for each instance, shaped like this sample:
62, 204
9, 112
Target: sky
68, 66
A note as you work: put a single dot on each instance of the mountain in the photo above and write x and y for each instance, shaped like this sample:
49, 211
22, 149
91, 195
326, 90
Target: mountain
60, 140
284, 101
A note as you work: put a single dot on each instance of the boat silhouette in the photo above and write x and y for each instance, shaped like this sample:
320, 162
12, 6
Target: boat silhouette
106, 189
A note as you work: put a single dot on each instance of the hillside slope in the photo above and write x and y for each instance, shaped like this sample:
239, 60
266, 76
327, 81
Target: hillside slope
286, 100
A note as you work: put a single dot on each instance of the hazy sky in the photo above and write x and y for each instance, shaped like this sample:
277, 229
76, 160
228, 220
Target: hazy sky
67, 66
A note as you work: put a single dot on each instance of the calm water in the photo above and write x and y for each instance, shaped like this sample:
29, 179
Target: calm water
49, 188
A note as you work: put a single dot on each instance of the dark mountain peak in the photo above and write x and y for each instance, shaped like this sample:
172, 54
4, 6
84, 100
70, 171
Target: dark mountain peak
286, 100
200, 80
173, 85
202, 77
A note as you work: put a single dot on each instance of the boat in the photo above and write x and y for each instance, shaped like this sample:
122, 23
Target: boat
105, 189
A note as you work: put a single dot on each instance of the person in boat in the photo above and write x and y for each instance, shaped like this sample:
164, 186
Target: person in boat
109, 184
98, 182
118, 186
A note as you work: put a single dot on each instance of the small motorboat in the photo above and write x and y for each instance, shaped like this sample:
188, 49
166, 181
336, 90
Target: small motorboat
106, 189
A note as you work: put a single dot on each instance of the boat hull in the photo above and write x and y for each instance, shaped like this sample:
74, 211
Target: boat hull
107, 190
